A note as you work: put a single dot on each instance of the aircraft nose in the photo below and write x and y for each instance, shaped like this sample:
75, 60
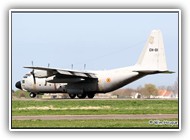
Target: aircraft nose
18, 85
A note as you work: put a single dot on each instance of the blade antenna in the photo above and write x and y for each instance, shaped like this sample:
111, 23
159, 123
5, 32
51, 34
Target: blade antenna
71, 66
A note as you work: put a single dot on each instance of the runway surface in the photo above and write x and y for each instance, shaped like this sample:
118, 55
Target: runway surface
98, 117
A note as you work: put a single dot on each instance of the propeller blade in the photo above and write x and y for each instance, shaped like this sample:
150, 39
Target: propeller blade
32, 72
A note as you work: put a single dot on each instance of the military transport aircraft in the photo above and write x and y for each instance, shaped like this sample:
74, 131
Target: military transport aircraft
82, 83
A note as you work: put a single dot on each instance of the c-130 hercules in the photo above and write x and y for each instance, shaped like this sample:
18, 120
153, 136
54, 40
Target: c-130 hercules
81, 84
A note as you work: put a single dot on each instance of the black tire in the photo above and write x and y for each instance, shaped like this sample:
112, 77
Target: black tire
32, 95
91, 96
72, 96
81, 96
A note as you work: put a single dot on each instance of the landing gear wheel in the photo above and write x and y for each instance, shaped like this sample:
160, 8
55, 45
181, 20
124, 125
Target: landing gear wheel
91, 96
72, 96
81, 95
32, 95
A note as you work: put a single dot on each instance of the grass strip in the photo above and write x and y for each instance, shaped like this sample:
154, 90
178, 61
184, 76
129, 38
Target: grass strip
94, 124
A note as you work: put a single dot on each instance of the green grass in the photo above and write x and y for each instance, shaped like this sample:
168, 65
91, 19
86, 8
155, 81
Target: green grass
92, 107
141, 123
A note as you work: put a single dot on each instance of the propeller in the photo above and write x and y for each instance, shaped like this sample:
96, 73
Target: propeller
32, 72
45, 80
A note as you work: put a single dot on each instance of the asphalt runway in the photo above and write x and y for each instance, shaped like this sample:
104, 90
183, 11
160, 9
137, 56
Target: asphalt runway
94, 117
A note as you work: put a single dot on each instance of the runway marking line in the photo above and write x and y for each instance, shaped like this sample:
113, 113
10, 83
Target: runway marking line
96, 117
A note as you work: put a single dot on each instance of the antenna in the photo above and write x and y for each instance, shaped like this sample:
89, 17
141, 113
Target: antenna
84, 66
32, 63
48, 65
71, 66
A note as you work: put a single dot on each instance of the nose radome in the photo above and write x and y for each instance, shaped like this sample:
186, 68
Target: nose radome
18, 85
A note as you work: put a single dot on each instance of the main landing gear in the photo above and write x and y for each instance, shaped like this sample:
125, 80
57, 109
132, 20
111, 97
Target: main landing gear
82, 95
91, 96
72, 96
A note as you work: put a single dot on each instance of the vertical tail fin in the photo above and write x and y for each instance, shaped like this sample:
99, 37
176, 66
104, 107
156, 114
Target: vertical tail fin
153, 54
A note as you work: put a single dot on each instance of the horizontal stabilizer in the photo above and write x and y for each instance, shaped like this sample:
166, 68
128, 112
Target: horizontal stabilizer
153, 72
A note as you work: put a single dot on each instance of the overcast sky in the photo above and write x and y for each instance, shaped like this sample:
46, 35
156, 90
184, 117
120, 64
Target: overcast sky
99, 40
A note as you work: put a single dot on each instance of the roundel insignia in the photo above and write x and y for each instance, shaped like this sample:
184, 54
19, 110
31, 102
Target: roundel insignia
108, 80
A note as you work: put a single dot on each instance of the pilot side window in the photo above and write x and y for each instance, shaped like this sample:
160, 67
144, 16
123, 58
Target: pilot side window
25, 76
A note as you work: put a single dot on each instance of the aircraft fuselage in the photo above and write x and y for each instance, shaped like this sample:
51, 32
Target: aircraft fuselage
106, 81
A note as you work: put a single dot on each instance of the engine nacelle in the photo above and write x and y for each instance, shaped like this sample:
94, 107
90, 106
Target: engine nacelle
41, 73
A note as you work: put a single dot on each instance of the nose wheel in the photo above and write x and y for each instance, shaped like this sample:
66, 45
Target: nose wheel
32, 94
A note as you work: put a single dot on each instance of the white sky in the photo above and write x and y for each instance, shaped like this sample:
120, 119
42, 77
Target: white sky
99, 40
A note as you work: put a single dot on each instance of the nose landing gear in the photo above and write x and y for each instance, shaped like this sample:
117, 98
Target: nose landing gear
32, 94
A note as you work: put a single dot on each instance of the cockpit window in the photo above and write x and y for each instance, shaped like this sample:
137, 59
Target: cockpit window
24, 76
23, 81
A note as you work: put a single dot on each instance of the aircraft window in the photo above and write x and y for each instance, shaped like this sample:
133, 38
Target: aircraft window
49, 84
25, 76
39, 84
23, 81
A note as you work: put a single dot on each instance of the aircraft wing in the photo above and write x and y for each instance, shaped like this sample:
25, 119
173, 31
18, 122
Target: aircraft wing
64, 72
